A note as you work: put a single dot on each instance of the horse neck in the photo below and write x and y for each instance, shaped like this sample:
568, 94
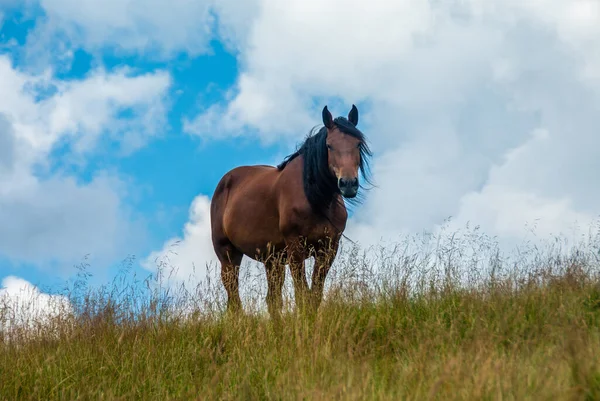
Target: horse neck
320, 194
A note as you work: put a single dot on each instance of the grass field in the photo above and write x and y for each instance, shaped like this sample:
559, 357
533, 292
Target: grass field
455, 320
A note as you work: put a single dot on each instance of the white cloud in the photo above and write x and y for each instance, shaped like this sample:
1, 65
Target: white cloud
47, 216
24, 308
481, 110
133, 24
7, 145
507, 212
88, 106
156, 28
57, 220
192, 254
82, 109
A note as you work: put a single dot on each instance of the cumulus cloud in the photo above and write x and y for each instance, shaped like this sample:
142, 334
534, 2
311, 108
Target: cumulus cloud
85, 108
24, 307
81, 110
57, 220
192, 254
7, 144
47, 215
156, 28
484, 111
134, 24
450, 91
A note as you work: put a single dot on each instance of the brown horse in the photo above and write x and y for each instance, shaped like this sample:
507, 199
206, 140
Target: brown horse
292, 211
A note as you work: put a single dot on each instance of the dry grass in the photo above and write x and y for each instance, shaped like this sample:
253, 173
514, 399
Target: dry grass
450, 321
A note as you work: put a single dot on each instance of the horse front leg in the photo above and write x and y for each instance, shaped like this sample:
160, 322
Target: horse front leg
275, 279
296, 257
323, 260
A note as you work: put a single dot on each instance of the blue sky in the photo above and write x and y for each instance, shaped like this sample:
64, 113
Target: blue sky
118, 120
168, 172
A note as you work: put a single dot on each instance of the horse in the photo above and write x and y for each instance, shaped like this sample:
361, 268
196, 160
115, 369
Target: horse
292, 211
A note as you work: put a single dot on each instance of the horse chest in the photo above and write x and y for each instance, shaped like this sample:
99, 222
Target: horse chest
309, 226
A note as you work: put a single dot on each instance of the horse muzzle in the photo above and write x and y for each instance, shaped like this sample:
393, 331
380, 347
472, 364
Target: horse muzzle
348, 187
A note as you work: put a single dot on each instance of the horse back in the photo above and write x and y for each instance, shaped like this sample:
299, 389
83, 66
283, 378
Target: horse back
244, 208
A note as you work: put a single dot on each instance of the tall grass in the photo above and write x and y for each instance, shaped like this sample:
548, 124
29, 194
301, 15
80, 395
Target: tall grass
443, 317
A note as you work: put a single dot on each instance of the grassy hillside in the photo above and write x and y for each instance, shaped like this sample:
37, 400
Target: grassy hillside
455, 321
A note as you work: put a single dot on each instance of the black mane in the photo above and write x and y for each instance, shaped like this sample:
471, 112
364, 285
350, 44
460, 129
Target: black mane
320, 185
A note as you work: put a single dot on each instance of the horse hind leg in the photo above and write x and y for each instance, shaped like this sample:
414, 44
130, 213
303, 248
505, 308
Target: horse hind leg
231, 260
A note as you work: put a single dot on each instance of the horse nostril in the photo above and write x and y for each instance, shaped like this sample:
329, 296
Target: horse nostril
348, 183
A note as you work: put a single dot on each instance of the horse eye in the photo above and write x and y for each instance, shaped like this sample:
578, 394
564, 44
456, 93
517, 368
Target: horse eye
329, 147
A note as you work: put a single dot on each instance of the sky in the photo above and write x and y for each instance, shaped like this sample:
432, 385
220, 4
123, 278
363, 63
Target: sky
117, 120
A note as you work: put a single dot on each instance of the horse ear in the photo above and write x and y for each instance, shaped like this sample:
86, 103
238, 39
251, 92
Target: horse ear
353, 115
327, 118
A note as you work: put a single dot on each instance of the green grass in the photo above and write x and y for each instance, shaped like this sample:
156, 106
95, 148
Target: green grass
410, 329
